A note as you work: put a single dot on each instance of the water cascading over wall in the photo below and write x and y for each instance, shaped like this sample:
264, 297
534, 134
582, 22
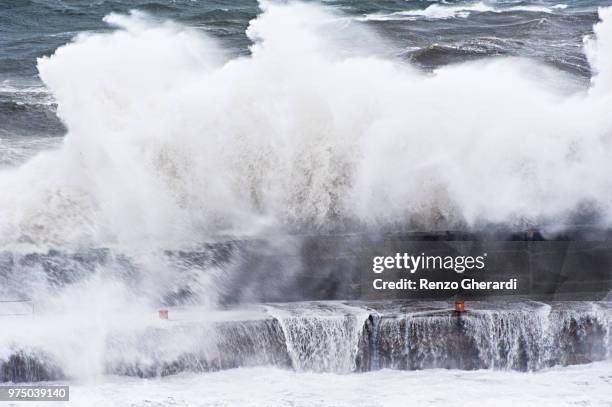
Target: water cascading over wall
344, 338
528, 338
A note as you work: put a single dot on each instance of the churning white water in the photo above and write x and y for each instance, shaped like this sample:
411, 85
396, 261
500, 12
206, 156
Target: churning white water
169, 140
257, 387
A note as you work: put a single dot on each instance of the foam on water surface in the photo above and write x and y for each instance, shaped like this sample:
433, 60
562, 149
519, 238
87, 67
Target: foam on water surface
570, 386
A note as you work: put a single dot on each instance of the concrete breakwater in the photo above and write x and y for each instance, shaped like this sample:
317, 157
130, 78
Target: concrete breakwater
341, 337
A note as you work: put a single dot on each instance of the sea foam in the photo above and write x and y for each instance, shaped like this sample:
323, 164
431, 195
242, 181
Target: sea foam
171, 141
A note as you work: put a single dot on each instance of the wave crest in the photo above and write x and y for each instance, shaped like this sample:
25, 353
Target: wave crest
170, 141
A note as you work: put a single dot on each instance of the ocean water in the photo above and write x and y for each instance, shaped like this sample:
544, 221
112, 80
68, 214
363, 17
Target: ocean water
587, 385
428, 34
133, 134
190, 119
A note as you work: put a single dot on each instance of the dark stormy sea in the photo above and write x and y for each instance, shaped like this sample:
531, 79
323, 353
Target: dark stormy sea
154, 153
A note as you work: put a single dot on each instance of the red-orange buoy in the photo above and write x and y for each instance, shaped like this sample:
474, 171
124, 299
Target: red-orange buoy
163, 314
459, 306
